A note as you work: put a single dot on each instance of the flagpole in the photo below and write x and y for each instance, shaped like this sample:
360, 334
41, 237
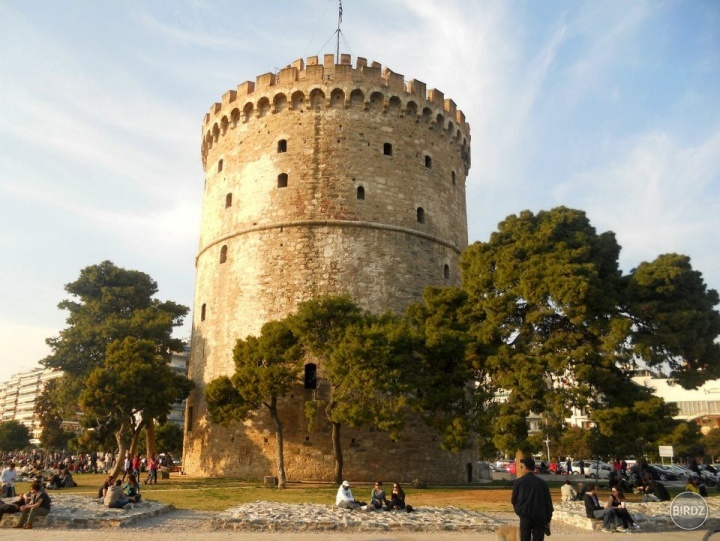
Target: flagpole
337, 49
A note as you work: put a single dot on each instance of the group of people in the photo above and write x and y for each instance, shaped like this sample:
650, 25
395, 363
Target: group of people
613, 513
378, 498
116, 495
532, 503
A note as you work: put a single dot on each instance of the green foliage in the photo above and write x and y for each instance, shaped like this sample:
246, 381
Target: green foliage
451, 360
112, 317
125, 388
112, 303
635, 429
676, 324
711, 442
686, 439
224, 402
558, 326
53, 435
321, 323
169, 437
371, 373
575, 442
14, 436
266, 369
372, 367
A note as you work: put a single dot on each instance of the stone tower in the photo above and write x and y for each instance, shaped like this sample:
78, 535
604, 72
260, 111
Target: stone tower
322, 179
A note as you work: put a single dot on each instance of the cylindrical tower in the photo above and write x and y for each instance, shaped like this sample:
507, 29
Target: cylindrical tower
322, 179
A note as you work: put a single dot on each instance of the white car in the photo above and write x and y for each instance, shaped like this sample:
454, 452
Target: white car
599, 470
588, 467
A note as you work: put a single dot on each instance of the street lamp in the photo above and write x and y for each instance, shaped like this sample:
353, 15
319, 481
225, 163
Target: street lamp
547, 442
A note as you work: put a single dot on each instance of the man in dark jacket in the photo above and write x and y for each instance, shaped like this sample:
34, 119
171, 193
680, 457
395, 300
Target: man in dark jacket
531, 501
593, 509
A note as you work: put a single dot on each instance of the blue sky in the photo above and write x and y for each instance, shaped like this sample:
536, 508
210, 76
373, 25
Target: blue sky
612, 107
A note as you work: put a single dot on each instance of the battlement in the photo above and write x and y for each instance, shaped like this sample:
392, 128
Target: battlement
328, 73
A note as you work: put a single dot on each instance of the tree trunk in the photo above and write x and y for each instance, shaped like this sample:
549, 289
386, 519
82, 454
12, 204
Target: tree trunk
135, 438
122, 450
150, 442
337, 452
279, 435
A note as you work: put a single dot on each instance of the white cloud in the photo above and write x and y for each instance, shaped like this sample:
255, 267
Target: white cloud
658, 196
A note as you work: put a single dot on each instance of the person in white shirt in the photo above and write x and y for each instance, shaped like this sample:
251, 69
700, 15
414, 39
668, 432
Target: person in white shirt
8, 480
568, 493
345, 498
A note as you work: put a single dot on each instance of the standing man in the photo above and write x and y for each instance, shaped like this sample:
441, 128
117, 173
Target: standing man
532, 503
127, 466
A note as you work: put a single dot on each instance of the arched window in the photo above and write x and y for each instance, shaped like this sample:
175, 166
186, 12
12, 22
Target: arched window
387, 149
223, 254
310, 379
228, 200
282, 145
220, 165
361, 192
428, 162
446, 272
202, 313
282, 180
420, 215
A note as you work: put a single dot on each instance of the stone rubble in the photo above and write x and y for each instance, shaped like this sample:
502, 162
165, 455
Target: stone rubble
71, 511
77, 511
273, 516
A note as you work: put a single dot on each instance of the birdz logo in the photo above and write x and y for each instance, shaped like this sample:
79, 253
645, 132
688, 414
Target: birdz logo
689, 511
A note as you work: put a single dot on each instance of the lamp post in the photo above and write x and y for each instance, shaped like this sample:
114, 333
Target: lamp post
547, 442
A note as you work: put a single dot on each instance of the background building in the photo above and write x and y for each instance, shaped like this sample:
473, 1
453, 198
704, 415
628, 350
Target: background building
19, 395
179, 363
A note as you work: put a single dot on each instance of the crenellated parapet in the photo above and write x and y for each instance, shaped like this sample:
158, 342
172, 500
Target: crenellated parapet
314, 86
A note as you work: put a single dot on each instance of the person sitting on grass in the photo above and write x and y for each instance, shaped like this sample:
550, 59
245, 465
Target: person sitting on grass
397, 498
377, 497
66, 479
109, 481
132, 489
115, 497
345, 499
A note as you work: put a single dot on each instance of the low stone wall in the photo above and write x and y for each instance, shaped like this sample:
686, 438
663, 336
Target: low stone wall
272, 516
69, 511
651, 517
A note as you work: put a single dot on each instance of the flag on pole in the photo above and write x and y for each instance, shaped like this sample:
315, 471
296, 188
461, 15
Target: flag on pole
340, 10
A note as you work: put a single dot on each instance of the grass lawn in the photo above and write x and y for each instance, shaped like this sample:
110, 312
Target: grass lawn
185, 492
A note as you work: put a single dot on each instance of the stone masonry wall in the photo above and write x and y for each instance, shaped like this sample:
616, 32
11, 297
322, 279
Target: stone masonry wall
321, 180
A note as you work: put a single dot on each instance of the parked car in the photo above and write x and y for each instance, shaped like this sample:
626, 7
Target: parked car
511, 468
598, 470
708, 476
660, 473
585, 465
681, 471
